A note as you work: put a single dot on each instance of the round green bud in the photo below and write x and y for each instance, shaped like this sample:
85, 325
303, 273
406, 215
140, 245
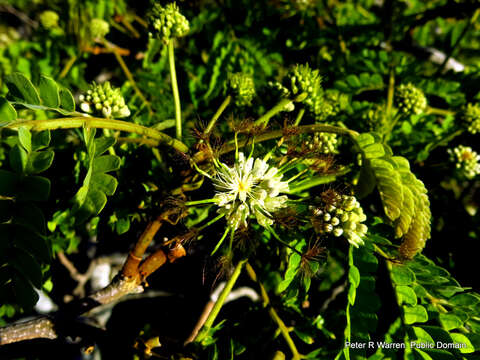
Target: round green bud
49, 19
303, 79
168, 22
410, 99
243, 87
99, 28
470, 116
105, 100
326, 143
8, 35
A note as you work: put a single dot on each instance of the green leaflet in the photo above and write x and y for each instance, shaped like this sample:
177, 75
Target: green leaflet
354, 84
97, 185
48, 95
435, 310
7, 112
362, 303
23, 248
404, 197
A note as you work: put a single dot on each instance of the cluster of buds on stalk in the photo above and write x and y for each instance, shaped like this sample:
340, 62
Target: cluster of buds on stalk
104, 99
470, 116
326, 143
303, 79
243, 87
49, 19
168, 22
342, 215
410, 99
99, 28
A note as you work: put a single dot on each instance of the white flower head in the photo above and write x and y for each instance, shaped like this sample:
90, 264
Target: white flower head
250, 187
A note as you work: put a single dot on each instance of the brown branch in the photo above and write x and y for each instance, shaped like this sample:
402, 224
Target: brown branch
50, 327
129, 281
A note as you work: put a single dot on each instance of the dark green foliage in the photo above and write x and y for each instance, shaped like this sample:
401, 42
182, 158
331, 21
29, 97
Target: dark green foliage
395, 82
24, 249
97, 185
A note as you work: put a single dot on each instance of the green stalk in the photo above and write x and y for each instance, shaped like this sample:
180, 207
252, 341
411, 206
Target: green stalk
437, 111
214, 220
200, 202
312, 182
219, 112
471, 21
299, 117
176, 96
274, 315
221, 300
101, 123
304, 129
272, 112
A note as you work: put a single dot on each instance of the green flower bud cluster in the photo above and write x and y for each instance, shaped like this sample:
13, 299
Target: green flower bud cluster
279, 88
7, 35
49, 19
283, 92
471, 117
243, 88
169, 22
410, 99
326, 143
104, 99
374, 117
99, 28
342, 216
305, 80
466, 161
332, 103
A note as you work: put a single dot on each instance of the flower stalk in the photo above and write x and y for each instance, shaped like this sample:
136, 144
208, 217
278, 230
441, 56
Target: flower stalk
176, 96
202, 334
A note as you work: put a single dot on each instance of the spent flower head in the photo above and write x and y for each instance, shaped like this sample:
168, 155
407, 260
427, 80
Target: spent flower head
251, 187
466, 161
168, 22
410, 99
104, 99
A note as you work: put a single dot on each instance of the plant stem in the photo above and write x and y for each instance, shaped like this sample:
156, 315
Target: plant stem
130, 78
219, 303
299, 117
274, 315
312, 182
214, 220
176, 96
78, 122
200, 202
219, 112
272, 112
304, 129
471, 21
67, 67
443, 141
437, 111
391, 90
